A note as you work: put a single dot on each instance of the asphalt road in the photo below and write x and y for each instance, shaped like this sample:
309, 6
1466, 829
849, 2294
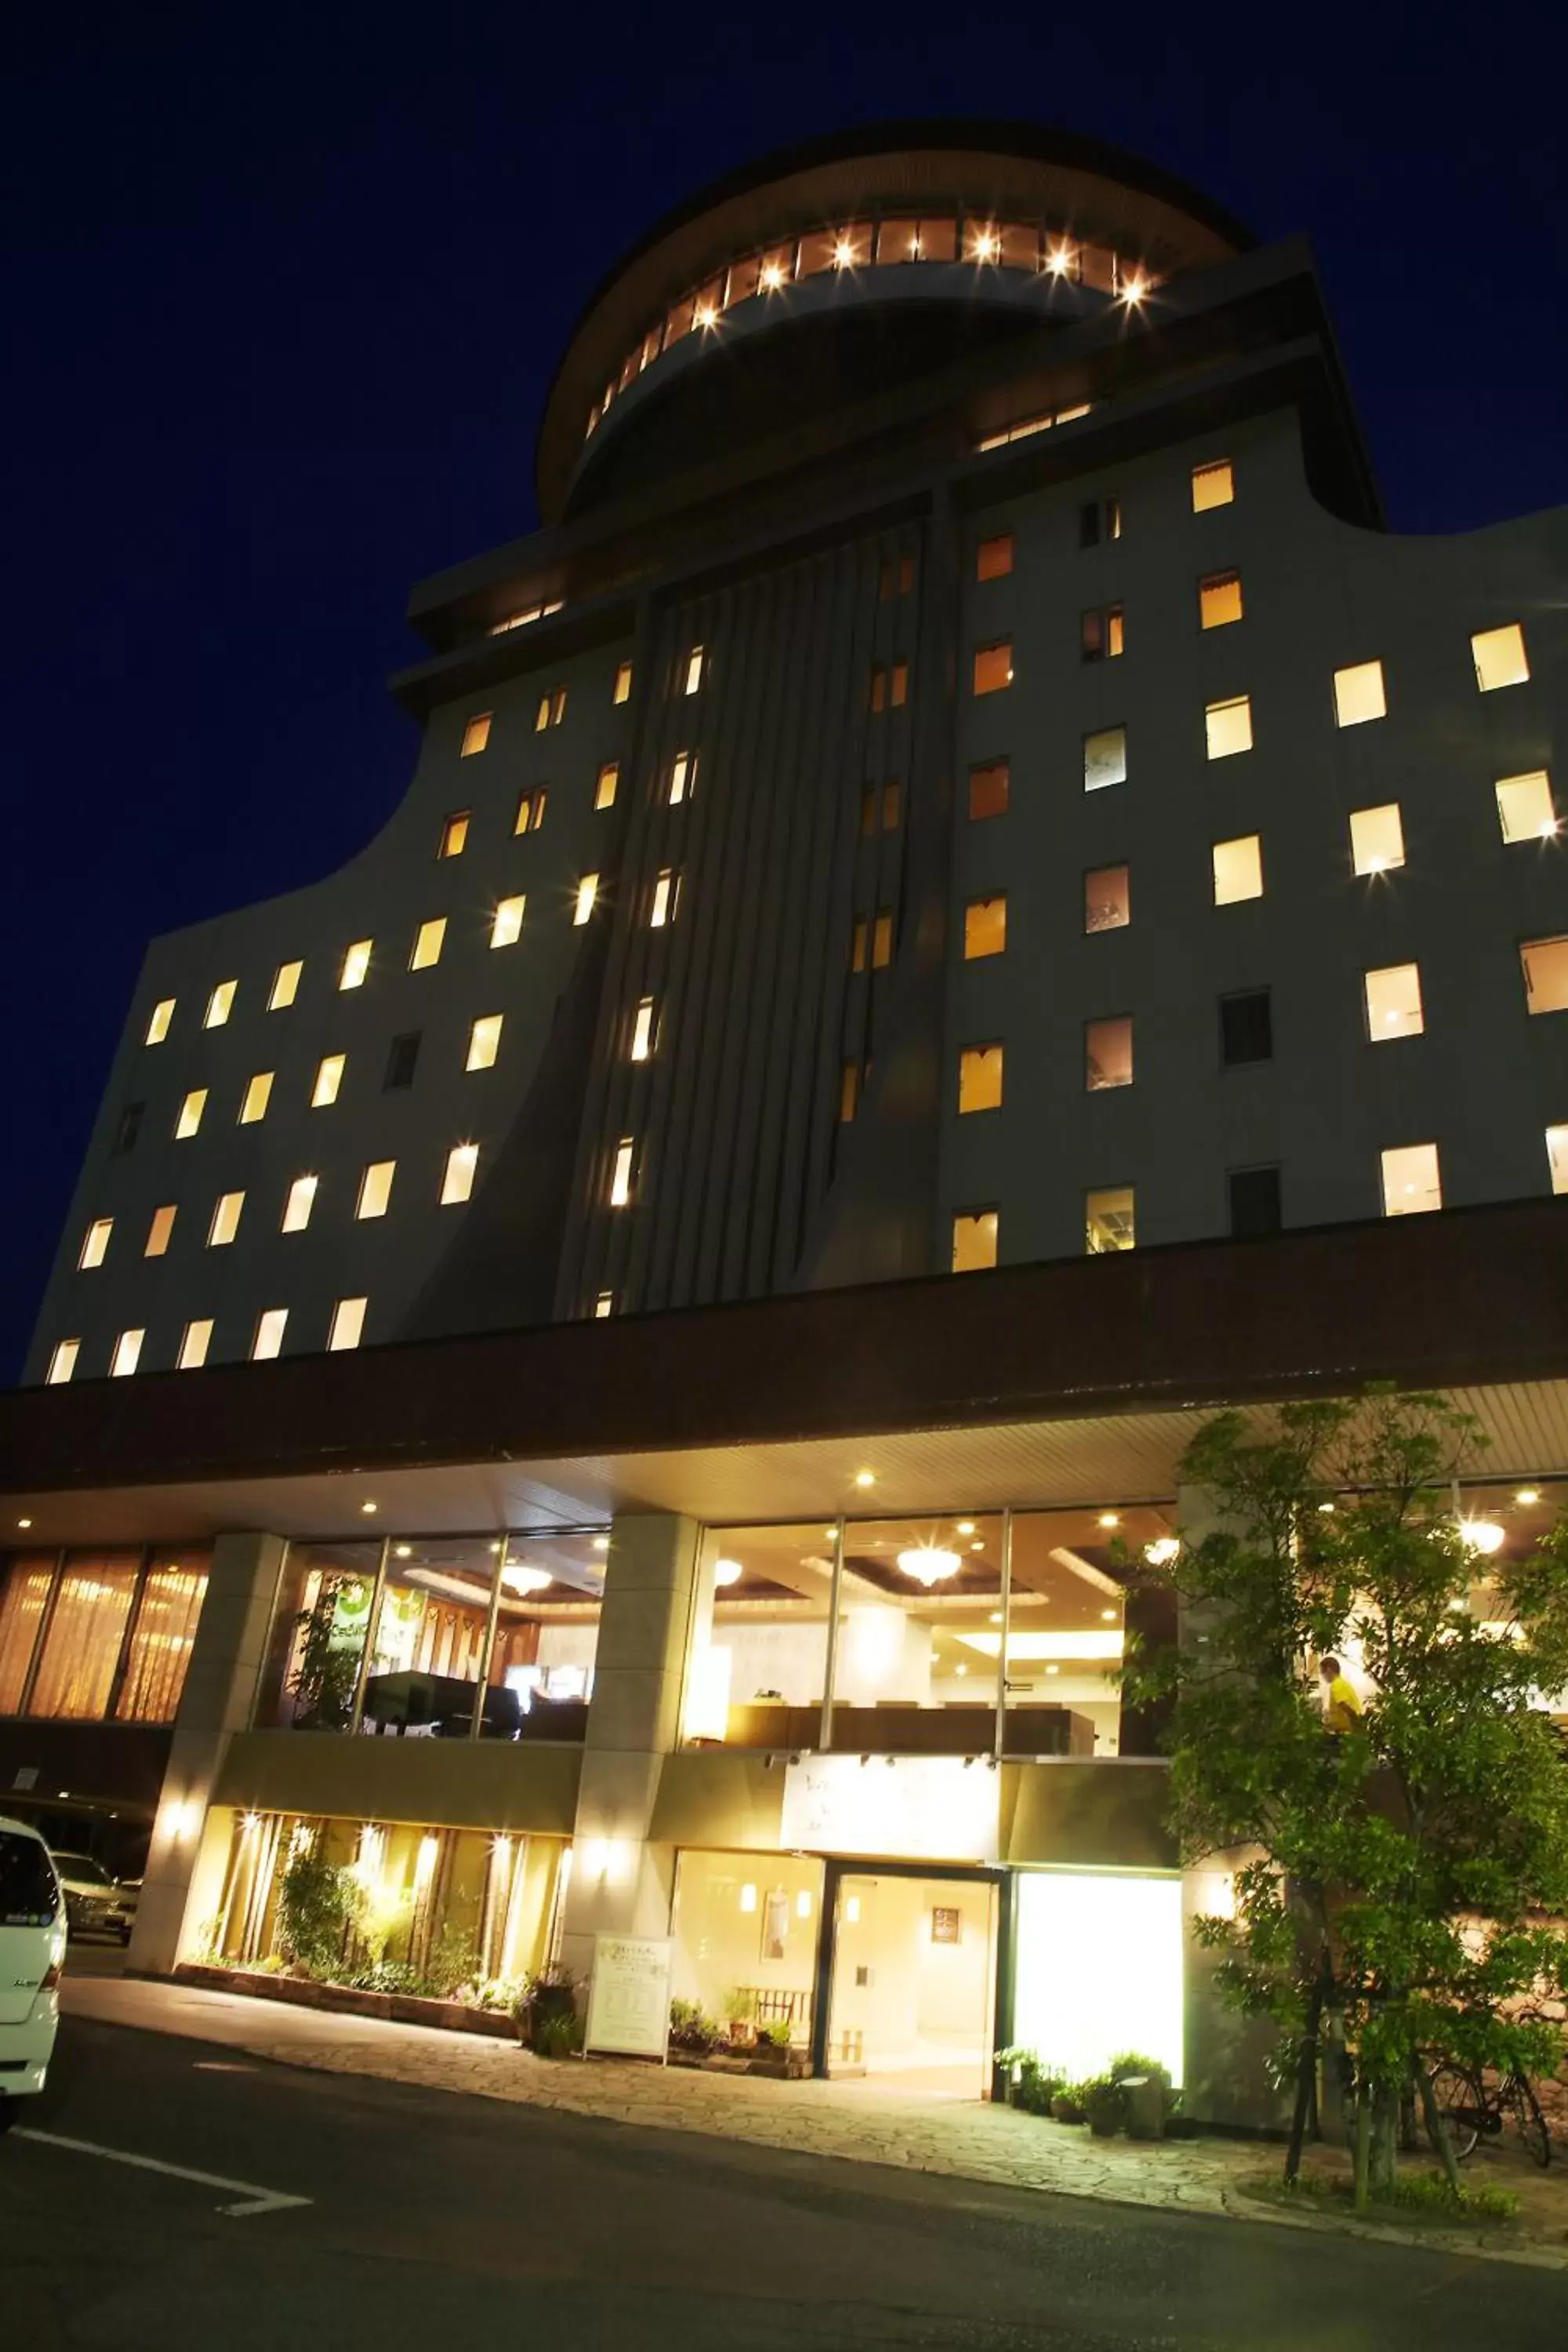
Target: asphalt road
435, 2221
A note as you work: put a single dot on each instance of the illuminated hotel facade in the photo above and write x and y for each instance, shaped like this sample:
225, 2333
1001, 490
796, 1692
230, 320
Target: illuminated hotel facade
955, 898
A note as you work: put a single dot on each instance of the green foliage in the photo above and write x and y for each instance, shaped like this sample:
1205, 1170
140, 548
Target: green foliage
453, 1960
559, 2034
777, 2033
691, 2028
1425, 2193
318, 1902
740, 2005
1104, 2104
327, 1673
1033, 2087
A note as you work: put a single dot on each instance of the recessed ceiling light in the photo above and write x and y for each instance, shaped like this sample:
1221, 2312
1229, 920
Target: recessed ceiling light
601, 1543
368, 1509
1108, 1616
23, 1523
1053, 1670
977, 1544
402, 1551
995, 1616
966, 1527
1110, 1518
865, 1477
1526, 1494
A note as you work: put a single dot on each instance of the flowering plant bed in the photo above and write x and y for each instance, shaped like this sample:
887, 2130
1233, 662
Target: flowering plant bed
346, 2001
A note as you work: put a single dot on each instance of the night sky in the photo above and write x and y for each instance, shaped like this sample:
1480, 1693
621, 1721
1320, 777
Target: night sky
283, 291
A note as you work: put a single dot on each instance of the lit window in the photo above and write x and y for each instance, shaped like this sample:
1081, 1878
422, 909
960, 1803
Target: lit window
682, 777
623, 685
1219, 600
195, 1342
1377, 839
643, 1027
458, 1177
356, 963
1394, 1003
973, 1241
979, 1078
1227, 726
1107, 902
159, 1231
329, 1078
1410, 1179
899, 685
220, 1004
993, 667
158, 1024
226, 1220
1213, 486
95, 1242
848, 1092
258, 1093
891, 803
531, 810
587, 893
552, 709
1108, 1054
1557, 1157
621, 1173
375, 1188
1524, 807
1545, 974
62, 1362
1102, 634
693, 671
297, 1207
603, 1305
858, 942
428, 944
284, 987
666, 891
1500, 657
347, 1324
882, 941
605, 790
878, 689
191, 1110
484, 1042
988, 791
454, 834
1104, 759
268, 1339
1108, 1221
1359, 694
993, 557
1237, 869
127, 1354
985, 928
506, 929
476, 735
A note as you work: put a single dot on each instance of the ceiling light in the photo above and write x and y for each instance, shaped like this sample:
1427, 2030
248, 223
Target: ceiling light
522, 1578
960, 1668
727, 1571
986, 246
830, 1533
1526, 1494
495, 1548
966, 1527
1481, 1535
1134, 290
707, 316
977, 1544
929, 1565
843, 254
1163, 1551
995, 1616
1059, 260
1108, 1616
601, 1543
402, 1551
368, 1509
865, 1477
772, 276
1110, 1518
27, 1523
1053, 1670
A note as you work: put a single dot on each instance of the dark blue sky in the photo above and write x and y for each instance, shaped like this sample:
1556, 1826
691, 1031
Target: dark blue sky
283, 289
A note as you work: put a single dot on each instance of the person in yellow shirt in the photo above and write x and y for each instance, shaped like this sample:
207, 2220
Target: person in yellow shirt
1342, 1708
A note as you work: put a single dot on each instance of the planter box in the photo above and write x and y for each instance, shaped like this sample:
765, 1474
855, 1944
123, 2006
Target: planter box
342, 2000
779, 2065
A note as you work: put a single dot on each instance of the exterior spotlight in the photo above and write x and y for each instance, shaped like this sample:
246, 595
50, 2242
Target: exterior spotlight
987, 246
1134, 291
772, 276
728, 1571
843, 254
707, 316
1059, 261
1481, 1535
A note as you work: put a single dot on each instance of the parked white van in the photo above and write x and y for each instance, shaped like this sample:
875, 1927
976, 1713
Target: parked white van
32, 1952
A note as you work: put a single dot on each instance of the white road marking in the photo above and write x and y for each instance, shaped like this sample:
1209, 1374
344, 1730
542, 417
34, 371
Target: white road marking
252, 2198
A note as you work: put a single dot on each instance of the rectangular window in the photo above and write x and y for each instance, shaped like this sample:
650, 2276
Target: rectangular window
506, 925
1394, 1002
985, 928
531, 810
892, 798
1411, 1182
285, 986
993, 667
1227, 726
848, 1092
127, 1354
993, 557
868, 810
1104, 759
973, 1241
329, 1078
297, 1207
882, 941
603, 1305
587, 896
621, 1173
130, 1126
858, 939
347, 1325
682, 778
62, 1362
643, 1027
226, 1220
375, 1188
1102, 634
1377, 839
401, 1061
1219, 600
195, 1342
665, 892
979, 1078
1108, 1053
457, 1176
158, 1022
692, 681
454, 834
899, 685
1107, 899
1237, 869
159, 1231
552, 709
476, 735
1253, 1199
484, 1042
1245, 1028
879, 691
1108, 1221
270, 1325
1500, 657
257, 1096
1557, 1157
191, 1109
1545, 974
1359, 694
623, 685
988, 789
1214, 485
1525, 808
220, 1004
355, 964
605, 789
95, 1243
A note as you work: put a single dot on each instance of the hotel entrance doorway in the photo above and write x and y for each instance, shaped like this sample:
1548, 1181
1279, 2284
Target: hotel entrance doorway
910, 1977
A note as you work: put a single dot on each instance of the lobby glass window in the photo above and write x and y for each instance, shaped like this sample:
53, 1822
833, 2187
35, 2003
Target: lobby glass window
298, 1205
428, 944
1377, 839
531, 807
1500, 657
608, 782
189, 1122
682, 778
506, 924
476, 734
979, 1078
1394, 1002
1109, 1220
1237, 869
1214, 485
1227, 726
1107, 899
253, 1101
25, 1587
1108, 1053
270, 1325
162, 1639
622, 690
985, 928
1411, 1182
484, 1042
757, 1666
329, 1079
587, 896
1104, 759
665, 896
455, 834
1102, 634
1245, 1028
1219, 600
974, 1234
195, 1342
160, 1231
643, 1028
285, 986
457, 1176
1359, 694
1525, 808
126, 1355
375, 1188
95, 1243
988, 790
401, 1061
993, 557
623, 1172
1556, 1163
128, 1129
323, 1613
993, 667
347, 1326
552, 709
541, 1675
744, 1934
427, 1650
62, 1361
225, 1220
355, 965
75, 1679
220, 1004
158, 1021
1254, 1199
1545, 965
848, 1092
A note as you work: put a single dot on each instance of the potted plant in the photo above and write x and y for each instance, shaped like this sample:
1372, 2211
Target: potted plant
1147, 2098
740, 2013
547, 2013
1104, 2104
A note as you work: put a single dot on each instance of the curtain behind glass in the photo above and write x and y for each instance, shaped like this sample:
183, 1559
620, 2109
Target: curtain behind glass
76, 1674
161, 1644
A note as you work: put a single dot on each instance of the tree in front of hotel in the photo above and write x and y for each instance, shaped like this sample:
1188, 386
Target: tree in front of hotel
1405, 1881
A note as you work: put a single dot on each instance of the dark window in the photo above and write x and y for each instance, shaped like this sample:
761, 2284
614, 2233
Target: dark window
1245, 1028
1254, 1200
130, 1126
401, 1056
28, 1894
1089, 524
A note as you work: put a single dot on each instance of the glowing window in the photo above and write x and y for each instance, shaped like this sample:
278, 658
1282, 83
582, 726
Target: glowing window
457, 1176
623, 685
454, 834
1094, 1949
297, 1207
1500, 657
355, 964
605, 789
347, 1325
62, 1362
1108, 1053
973, 1241
195, 1342
95, 1242
899, 685
1214, 485
1377, 839
682, 778
993, 667
603, 1305
985, 928
127, 1354
484, 1042
1109, 1221
375, 1188
254, 1102
988, 788
1219, 600
643, 1028
329, 1078
158, 1022
428, 944
1359, 694
1237, 869
993, 557
191, 1109
1107, 902
1102, 634
506, 926
692, 680
476, 735
552, 709
979, 1078
587, 894
1545, 965
666, 891
848, 1092
159, 1231
621, 1173
1394, 1002
1411, 1182
1557, 1157
531, 810
1524, 807
220, 1004
882, 941
225, 1220
892, 799
270, 1325
1227, 726
1104, 759
285, 986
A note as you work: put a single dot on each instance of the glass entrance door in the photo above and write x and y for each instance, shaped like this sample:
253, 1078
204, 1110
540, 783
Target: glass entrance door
914, 1973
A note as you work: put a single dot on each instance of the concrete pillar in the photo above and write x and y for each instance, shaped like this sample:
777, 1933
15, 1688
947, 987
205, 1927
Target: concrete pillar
185, 1865
621, 1885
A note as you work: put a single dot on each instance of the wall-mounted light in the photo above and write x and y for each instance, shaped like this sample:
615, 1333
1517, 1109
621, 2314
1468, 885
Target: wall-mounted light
803, 1904
748, 1896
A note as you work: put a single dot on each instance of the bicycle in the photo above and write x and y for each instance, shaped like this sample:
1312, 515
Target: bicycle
1472, 2109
